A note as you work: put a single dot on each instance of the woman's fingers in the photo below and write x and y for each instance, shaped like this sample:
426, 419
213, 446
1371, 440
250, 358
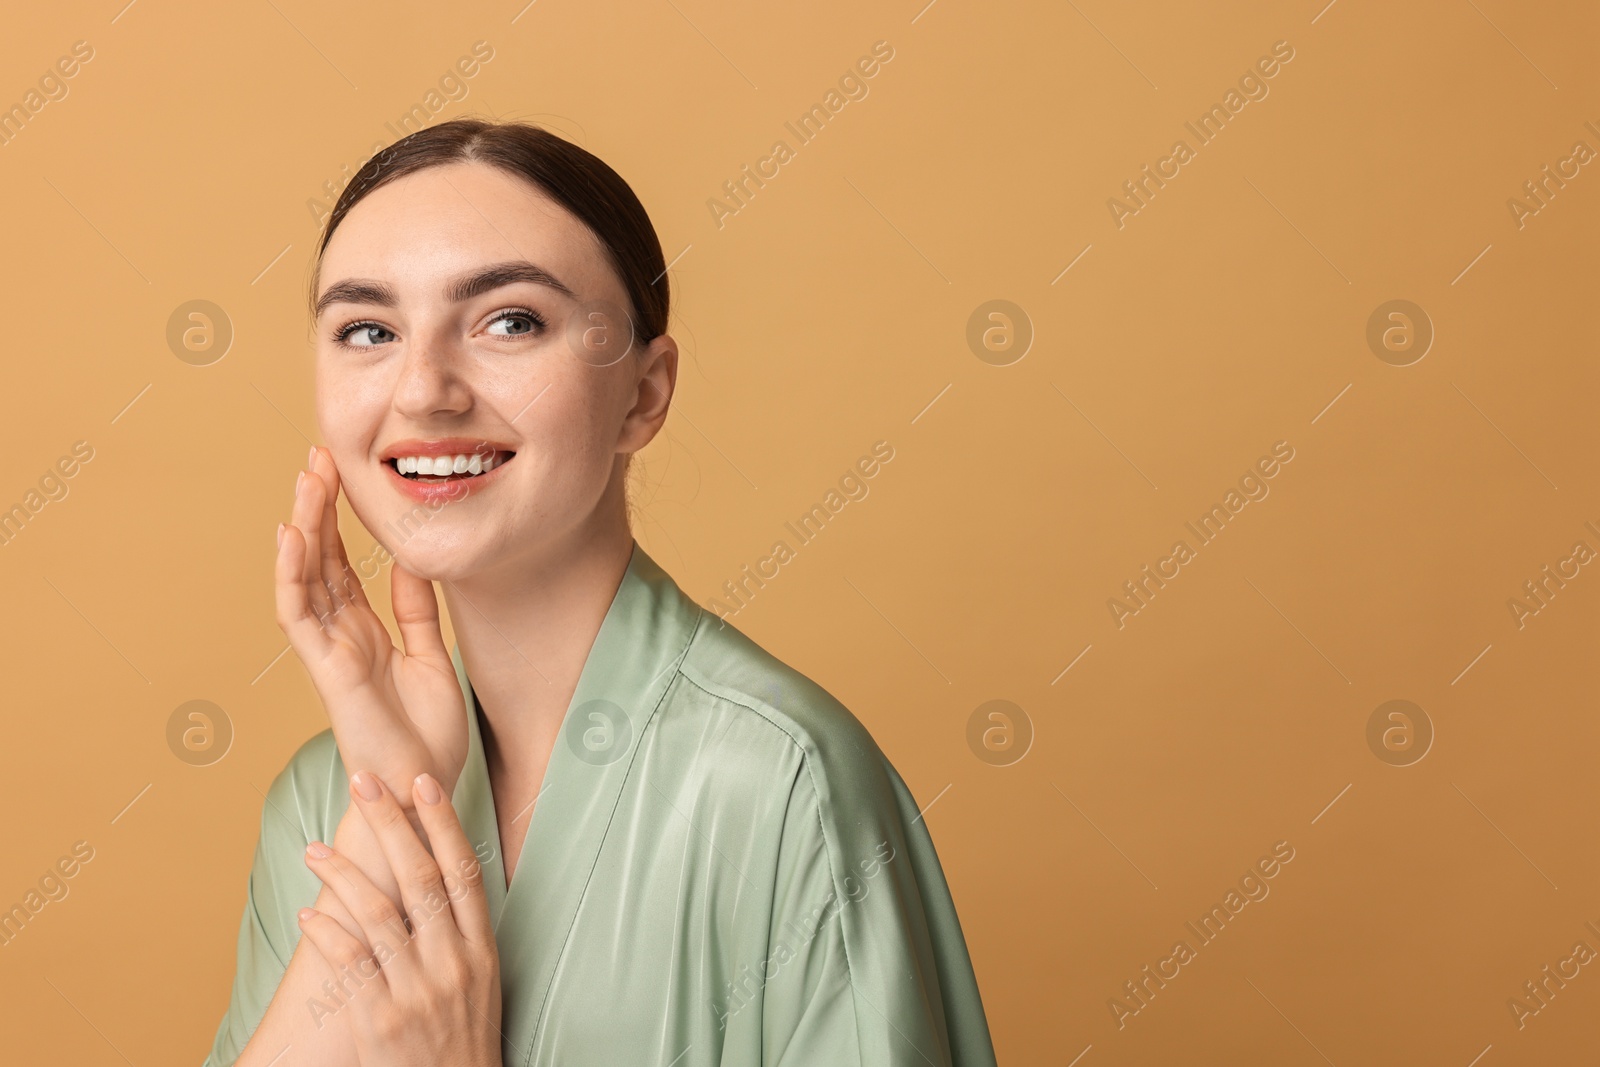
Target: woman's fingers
342, 582
416, 611
296, 615
380, 921
422, 889
344, 953
463, 874
310, 496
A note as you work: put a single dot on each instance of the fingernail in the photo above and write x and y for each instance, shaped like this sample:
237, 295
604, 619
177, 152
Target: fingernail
298, 478
428, 789
367, 785
280, 535
307, 914
311, 457
318, 851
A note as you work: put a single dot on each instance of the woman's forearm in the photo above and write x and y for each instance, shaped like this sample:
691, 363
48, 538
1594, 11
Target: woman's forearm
296, 1031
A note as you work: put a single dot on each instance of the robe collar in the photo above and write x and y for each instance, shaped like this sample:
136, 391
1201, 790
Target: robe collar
642, 639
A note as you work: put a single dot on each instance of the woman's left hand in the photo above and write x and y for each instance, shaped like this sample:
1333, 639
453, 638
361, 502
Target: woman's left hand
428, 995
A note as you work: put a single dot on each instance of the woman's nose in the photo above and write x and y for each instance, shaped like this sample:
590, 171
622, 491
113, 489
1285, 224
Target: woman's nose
430, 382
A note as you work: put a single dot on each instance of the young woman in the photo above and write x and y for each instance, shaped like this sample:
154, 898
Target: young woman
607, 828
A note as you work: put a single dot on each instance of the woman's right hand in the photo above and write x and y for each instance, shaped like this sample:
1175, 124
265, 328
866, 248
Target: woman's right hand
395, 713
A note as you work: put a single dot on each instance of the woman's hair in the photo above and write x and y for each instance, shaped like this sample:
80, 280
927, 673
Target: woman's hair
577, 180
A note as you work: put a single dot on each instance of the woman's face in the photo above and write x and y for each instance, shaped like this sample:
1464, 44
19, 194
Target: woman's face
464, 313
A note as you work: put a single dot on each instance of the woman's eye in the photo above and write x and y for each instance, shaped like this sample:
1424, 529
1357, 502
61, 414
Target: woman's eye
517, 324
364, 335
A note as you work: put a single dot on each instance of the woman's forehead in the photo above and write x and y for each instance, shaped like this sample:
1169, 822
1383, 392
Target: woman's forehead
441, 221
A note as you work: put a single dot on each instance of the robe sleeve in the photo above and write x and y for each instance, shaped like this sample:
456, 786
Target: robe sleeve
867, 965
277, 889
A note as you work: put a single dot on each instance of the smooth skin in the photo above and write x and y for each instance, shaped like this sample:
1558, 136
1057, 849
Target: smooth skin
528, 566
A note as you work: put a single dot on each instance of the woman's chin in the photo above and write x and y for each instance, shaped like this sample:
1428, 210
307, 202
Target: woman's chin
427, 544
436, 563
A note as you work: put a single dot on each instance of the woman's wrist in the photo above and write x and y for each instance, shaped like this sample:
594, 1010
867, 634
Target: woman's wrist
354, 837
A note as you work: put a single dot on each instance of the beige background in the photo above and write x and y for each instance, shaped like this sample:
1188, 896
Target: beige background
831, 312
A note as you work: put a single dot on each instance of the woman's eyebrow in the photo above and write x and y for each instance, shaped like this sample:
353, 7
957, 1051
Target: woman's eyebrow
355, 291
464, 287
493, 277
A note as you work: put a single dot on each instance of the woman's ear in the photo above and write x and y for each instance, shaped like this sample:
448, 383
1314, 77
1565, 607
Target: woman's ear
657, 376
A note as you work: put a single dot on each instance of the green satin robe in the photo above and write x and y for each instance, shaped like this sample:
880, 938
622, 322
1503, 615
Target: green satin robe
722, 868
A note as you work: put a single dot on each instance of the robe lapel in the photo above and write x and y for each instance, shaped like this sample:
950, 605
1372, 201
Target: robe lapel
474, 802
643, 636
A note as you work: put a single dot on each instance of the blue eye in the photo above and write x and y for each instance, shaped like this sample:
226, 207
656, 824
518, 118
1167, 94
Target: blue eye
365, 334
520, 322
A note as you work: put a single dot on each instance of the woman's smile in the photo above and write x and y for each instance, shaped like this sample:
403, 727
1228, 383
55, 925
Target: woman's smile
443, 469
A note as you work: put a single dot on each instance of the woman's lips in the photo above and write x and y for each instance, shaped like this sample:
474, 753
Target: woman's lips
439, 490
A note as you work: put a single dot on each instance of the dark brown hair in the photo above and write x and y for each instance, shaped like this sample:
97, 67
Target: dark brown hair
576, 179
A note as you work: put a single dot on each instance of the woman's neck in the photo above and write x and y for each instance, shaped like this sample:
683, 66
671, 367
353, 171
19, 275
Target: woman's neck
525, 632
525, 636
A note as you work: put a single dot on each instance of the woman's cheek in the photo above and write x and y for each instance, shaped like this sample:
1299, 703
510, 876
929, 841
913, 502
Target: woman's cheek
350, 408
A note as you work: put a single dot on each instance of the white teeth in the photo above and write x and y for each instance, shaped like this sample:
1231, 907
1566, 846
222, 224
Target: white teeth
439, 466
